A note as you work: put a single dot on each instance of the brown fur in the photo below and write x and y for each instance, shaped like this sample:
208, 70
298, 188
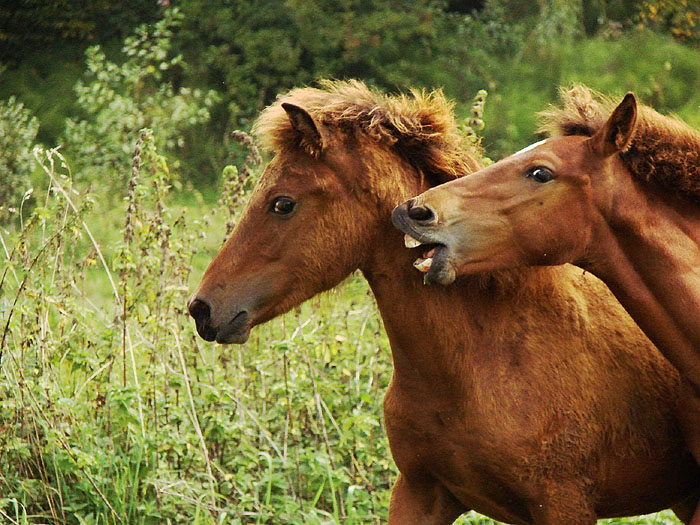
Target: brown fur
664, 150
617, 194
533, 399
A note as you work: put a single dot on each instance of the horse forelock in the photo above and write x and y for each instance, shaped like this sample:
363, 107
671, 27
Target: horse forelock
664, 150
420, 126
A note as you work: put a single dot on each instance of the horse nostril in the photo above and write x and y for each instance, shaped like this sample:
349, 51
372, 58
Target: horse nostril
420, 213
200, 311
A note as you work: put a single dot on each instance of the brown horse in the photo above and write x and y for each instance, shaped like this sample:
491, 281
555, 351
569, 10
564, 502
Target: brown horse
616, 193
528, 396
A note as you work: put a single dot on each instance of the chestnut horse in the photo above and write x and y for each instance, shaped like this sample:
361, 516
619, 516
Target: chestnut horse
616, 193
529, 396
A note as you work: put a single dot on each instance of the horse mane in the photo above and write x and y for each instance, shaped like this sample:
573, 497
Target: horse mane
420, 126
664, 150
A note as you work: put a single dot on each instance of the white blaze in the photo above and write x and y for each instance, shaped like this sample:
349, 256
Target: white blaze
531, 146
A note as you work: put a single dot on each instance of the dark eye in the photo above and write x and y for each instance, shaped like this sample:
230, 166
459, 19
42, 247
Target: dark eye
283, 205
540, 174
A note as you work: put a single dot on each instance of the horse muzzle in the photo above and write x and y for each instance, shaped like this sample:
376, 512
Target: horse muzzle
418, 223
235, 330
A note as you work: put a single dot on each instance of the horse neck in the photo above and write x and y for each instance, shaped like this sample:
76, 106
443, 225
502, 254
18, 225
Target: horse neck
416, 317
439, 335
646, 247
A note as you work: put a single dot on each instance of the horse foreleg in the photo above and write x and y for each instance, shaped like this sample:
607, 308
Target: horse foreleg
425, 502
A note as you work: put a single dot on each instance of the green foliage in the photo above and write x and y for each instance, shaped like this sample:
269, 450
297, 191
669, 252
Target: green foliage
32, 25
18, 129
119, 99
559, 23
44, 85
662, 72
680, 18
256, 50
462, 67
238, 56
113, 411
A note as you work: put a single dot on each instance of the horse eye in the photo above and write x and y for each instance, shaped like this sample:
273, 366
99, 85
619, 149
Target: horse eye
540, 174
283, 205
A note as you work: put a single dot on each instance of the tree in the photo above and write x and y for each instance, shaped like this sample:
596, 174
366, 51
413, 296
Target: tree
681, 18
32, 25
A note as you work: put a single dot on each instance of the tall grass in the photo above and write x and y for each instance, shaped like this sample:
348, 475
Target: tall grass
113, 411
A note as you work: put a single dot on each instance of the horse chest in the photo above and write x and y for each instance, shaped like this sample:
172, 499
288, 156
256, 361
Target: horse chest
452, 442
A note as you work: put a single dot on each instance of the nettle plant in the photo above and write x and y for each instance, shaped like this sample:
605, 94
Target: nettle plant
78, 369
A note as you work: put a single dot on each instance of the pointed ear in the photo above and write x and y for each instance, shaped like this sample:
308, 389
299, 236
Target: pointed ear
616, 134
311, 133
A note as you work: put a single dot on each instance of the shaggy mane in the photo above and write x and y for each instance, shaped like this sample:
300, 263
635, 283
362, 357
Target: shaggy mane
664, 150
420, 126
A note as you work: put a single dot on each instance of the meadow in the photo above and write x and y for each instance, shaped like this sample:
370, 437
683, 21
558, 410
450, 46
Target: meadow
112, 409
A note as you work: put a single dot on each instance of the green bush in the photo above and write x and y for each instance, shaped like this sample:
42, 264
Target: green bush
119, 99
237, 57
31, 27
680, 18
18, 129
252, 51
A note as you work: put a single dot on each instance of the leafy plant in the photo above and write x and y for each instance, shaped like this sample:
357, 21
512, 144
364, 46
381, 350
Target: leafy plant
18, 129
120, 99
681, 18
114, 412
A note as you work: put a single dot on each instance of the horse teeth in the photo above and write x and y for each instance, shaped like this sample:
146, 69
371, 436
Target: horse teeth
410, 242
423, 265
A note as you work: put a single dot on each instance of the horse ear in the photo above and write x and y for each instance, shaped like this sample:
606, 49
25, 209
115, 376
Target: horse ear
616, 134
312, 133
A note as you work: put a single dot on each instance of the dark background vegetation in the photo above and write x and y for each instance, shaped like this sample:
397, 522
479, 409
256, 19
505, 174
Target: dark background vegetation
111, 409
247, 52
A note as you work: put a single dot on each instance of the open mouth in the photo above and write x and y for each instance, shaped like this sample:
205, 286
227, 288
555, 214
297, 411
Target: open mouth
425, 262
434, 263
